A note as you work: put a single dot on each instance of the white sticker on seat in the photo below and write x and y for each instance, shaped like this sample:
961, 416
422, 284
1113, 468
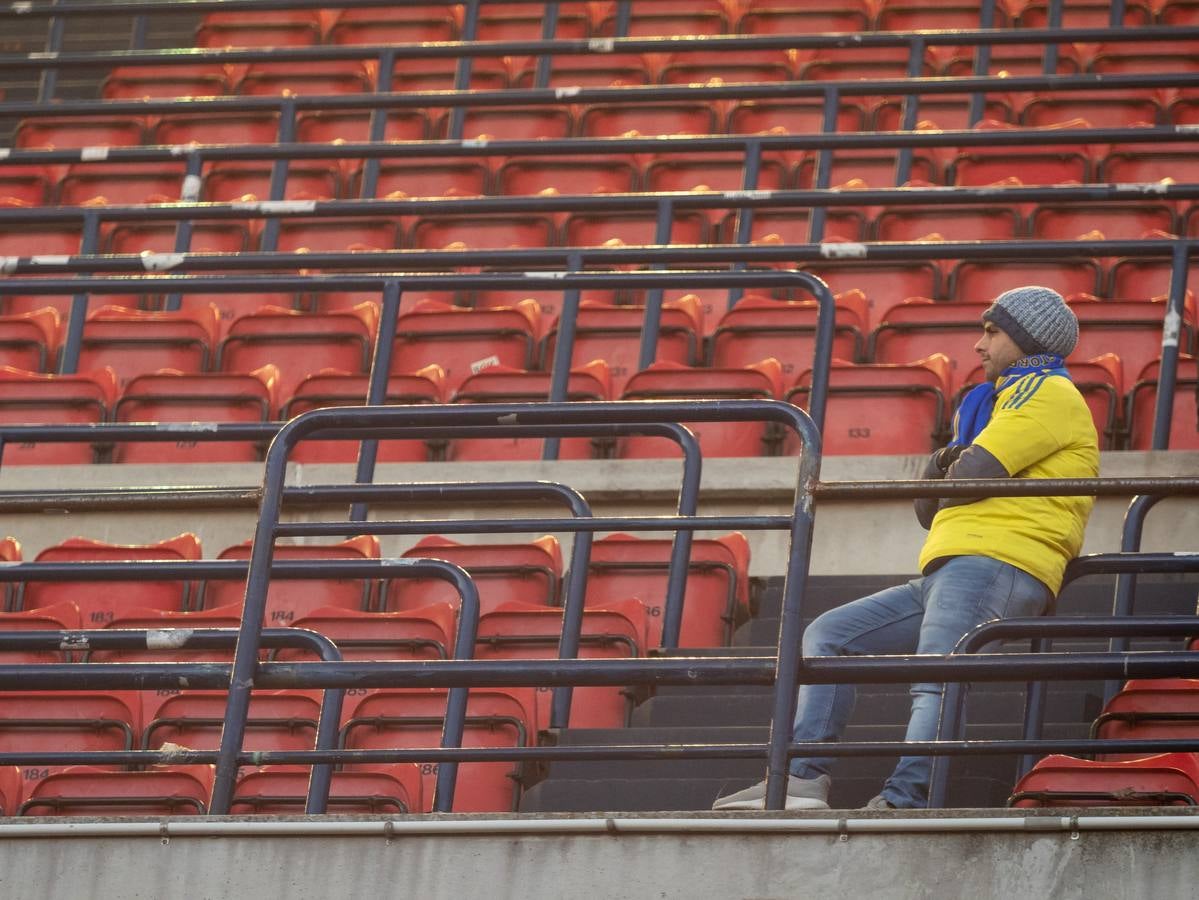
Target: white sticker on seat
161, 262
93, 154
487, 362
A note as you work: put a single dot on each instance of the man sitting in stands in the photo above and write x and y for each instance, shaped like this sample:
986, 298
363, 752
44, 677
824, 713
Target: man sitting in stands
984, 558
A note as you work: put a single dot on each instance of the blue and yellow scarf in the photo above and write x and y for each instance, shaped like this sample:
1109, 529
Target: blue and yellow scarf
976, 407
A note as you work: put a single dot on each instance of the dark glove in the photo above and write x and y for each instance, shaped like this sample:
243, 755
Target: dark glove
941, 460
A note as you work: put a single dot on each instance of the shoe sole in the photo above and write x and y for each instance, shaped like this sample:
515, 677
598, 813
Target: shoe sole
751, 805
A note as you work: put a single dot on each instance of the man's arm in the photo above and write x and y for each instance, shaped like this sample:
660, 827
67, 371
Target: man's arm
956, 462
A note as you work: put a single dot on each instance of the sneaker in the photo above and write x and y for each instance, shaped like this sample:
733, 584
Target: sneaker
879, 803
802, 793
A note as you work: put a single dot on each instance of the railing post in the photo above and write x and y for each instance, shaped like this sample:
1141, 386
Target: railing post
824, 163
1167, 374
376, 391
653, 297
73, 344
911, 111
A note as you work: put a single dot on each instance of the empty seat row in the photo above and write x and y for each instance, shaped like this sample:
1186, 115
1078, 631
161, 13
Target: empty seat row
526, 21
509, 576
121, 184
203, 338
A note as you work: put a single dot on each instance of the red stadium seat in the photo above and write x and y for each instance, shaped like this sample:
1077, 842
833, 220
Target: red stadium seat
613, 333
337, 235
216, 128
333, 388
671, 17
1101, 109
172, 630
509, 123
66, 721
353, 126
423, 633
595, 229
883, 283
376, 26
705, 173
98, 607
135, 342
120, 183
282, 791
672, 381
596, 70
171, 396
30, 398
75, 132
165, 82
758, 327
917, 328
300, 344
857, 169
29, 340
59, 617
1133, 326
502, 384
25, 186
566, 175
277, 720
1123, 221
339, 76
528, 573
1184, 427
519, 631
1149, 709
717, 594
232, 182
260, 28
616, 120
773, 17
974, 280
1128, 165
465, 341
746, 66
1082, 14
428, 177
390, 719
482, 232
963, 223
159, 237
939, 112
1168, 779
290, 599
40, 240
91, 791
880, 408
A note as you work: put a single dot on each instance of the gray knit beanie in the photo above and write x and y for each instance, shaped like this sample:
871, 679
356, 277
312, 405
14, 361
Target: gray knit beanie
1036, 318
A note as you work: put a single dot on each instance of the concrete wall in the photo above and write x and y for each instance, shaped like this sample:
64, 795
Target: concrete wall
614, 487
616, 859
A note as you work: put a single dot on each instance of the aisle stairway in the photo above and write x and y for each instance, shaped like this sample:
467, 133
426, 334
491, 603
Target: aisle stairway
731, 715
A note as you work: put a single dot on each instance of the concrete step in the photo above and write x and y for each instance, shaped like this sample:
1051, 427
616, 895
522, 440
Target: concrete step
678, 795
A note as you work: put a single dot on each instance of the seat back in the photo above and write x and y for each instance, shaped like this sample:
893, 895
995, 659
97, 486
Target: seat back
290, 599
29, 398
90, 791
283, 790
501, 384
880, 408
414, 718
277, 720
333, 388
100, 606
717, 594
463, 341
670, 381
517, 631
172, 396
503, 572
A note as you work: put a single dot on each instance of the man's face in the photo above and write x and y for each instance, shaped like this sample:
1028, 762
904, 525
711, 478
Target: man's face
996, 350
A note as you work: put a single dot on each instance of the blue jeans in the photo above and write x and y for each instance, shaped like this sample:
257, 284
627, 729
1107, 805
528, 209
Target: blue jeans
926, 615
